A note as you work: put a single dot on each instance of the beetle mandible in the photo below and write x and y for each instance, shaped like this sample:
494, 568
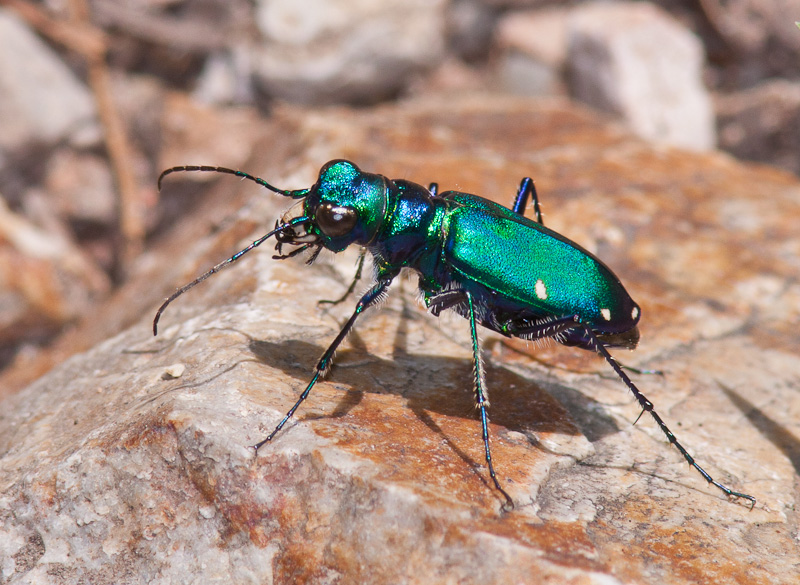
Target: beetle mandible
490, 264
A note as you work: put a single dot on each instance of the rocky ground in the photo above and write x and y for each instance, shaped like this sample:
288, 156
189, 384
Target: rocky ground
125, 458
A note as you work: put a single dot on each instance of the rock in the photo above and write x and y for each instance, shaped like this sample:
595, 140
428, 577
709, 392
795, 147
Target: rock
194, 133
344, 51
80, 187
46, 281
470, 27
633, 59
41, 100
140, 100
112, 469
754, 25
762, 123
226, 79
66, 283
534, 51
751, 40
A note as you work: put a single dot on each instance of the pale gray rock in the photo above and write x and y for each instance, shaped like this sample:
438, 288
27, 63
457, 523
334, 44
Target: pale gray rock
533, 47
41, 100
226, 78
635, 60
329, 51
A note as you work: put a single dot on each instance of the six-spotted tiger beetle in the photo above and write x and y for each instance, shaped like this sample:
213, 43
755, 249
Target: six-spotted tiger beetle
490, 264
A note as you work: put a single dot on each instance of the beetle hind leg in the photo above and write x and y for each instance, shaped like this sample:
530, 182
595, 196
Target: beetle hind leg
527, 189
594, 342
648, 407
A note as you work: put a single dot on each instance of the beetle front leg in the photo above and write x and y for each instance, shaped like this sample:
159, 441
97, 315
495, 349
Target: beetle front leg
370, 298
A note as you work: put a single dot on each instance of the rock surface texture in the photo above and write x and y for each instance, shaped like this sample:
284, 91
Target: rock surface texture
129, 462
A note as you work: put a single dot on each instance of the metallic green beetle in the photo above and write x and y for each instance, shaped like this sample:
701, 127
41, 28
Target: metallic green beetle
489, 263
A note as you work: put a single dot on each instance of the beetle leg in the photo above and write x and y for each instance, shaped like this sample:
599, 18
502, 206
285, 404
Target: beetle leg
481, 397
291, 254
374, 295
362, 255
433, 188
542, 329
527, 189
551, 328
648, 406
446, 300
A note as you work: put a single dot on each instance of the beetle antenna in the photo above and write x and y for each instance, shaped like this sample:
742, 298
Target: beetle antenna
296, 194
223, 264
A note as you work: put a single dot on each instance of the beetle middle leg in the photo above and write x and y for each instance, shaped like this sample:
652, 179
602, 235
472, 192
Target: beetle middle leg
361, 257
482, 398
450, 299
553, 327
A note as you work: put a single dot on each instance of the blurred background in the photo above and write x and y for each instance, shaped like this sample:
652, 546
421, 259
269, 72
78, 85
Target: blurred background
98, 96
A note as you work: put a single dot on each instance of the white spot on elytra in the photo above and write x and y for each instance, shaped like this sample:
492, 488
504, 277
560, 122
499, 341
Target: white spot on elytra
541, 289
635, 313
606, 313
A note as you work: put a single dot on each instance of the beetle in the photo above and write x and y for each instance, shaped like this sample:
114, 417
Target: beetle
490, 264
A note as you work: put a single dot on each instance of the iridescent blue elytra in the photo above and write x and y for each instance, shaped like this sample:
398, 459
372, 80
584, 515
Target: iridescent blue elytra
488, 263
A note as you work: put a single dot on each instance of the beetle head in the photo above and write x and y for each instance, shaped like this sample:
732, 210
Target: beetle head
346, 206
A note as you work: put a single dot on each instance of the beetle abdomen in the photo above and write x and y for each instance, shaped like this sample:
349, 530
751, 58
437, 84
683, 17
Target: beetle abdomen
537, 268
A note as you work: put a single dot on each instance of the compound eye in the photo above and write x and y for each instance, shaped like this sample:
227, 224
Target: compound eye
335, 220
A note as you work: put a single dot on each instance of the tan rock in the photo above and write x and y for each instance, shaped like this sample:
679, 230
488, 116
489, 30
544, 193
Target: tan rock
115, 470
